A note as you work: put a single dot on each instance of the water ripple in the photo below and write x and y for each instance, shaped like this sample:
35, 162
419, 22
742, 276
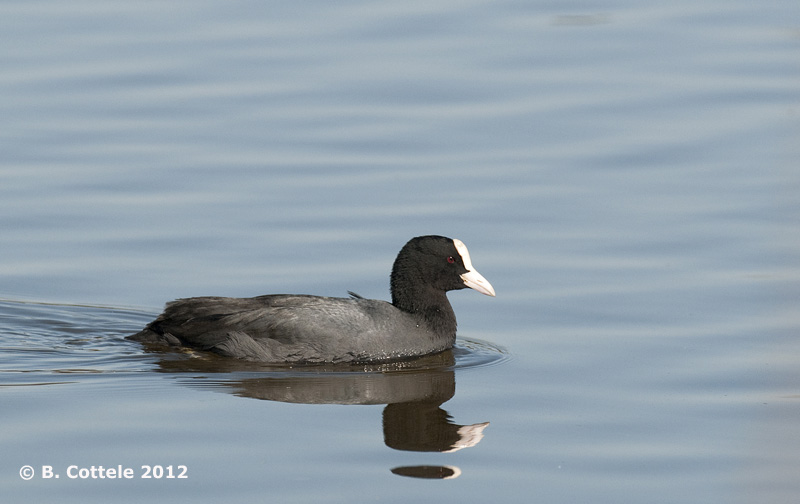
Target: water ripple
56, 339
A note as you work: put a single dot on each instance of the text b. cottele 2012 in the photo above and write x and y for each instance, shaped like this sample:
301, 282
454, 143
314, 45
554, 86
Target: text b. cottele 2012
116, 472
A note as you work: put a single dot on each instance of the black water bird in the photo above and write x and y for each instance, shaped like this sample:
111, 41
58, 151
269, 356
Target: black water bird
288, 328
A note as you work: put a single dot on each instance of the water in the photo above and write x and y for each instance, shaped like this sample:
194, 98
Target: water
625, 174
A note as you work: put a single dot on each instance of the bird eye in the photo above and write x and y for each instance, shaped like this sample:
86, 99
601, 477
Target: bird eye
450, 259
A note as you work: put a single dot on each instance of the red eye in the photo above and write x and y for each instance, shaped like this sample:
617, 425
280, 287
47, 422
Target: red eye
451, 260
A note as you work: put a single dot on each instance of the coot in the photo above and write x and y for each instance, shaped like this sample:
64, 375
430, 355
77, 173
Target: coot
287, 328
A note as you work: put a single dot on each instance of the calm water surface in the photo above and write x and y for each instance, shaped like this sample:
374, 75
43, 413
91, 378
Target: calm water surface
625, 174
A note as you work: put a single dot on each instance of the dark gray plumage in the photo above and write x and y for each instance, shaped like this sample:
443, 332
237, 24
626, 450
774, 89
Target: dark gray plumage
287, 328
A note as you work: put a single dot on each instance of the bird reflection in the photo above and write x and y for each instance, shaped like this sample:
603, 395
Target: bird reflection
428, 472
413, 393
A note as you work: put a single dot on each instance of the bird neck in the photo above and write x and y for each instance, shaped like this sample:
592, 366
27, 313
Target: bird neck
426, 303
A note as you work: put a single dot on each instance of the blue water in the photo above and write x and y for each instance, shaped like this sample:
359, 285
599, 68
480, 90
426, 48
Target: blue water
624, 174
